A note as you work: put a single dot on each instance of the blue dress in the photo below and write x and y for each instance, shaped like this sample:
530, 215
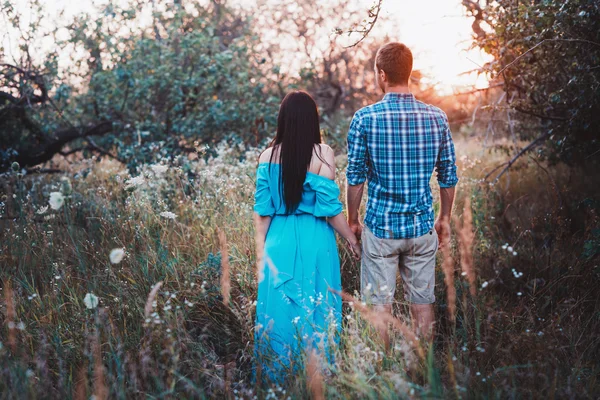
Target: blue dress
295, 308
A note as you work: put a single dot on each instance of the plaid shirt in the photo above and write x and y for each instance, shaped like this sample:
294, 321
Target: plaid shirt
396, 144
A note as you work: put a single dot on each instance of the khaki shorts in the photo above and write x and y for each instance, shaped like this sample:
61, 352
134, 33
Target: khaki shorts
381, 259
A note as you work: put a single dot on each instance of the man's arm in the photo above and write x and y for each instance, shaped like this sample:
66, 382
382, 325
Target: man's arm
353, 199
447, 179
356, 172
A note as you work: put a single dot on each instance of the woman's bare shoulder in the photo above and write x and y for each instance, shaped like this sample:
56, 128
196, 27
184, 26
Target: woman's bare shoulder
265, 155
325, 149
327, 168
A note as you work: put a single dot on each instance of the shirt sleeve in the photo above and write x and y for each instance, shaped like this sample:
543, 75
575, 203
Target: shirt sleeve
446, 162
356, 173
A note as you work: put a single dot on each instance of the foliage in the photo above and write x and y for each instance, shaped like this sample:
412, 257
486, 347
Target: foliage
190, 78
547, 55
529, 331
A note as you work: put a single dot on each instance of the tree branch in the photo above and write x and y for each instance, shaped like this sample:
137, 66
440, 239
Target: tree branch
365, 32
519, 154
510, 64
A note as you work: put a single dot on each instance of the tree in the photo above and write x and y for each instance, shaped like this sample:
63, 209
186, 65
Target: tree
131, 90
547, 57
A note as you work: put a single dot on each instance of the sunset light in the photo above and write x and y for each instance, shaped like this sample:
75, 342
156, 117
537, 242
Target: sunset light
299, 199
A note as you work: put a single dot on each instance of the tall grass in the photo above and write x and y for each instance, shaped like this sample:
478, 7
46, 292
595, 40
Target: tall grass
175, 316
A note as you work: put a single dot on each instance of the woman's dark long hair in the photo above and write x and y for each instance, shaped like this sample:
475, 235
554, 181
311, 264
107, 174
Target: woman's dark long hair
297, 133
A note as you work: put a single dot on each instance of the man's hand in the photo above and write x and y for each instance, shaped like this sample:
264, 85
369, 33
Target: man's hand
356, 228
442, 227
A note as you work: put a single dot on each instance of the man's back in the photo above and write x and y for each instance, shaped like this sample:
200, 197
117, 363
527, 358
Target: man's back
396, 144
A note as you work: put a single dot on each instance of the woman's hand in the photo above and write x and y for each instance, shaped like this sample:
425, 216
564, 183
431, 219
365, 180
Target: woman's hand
355, 248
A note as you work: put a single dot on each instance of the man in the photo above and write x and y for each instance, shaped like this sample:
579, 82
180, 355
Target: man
396, 144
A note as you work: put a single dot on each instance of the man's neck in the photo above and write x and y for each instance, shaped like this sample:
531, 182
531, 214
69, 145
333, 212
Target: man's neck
397, 89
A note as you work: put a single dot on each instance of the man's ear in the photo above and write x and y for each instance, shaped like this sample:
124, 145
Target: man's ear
382, 75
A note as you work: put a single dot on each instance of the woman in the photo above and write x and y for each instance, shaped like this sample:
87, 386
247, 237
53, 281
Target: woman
296, 207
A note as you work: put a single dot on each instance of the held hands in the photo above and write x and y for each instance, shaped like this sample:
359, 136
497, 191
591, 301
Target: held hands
355, 248
354, 243
356, 228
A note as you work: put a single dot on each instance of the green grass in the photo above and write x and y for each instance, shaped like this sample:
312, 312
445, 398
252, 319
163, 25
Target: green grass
523, 336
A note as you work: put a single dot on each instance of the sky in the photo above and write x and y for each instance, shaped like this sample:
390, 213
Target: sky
437, 31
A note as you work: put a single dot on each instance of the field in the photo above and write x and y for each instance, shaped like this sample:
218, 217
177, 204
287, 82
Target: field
80, 318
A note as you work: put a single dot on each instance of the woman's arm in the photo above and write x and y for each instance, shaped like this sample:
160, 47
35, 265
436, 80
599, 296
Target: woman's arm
261, 227
338, 223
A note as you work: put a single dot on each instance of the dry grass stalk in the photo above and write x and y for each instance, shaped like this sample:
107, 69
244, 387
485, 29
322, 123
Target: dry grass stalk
379, 318
466, 237
225, 272
314, 379
151, 297
11, 316
448, 268
100, 389
80, 387
452, 375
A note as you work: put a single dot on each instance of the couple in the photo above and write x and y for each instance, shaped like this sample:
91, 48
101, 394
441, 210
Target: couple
395, 145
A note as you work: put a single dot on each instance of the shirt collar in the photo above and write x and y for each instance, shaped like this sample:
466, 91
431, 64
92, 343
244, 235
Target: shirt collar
393, 96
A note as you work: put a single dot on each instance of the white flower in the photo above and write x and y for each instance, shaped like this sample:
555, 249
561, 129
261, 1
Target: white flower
168, 214
116, 255
514, 253
91, 301
484, 284
159, 169
42, 210
510, 249
56, 200
136, 181
295, 320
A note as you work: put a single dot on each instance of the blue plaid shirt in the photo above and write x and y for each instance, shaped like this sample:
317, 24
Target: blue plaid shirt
396, 144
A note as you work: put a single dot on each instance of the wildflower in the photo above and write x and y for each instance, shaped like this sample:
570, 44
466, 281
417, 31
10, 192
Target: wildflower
159, 169
519, 294
21, 326
509, 249
504, 246
42, 210
56, 200
484, 284
514, 253
135, 181
116, 255
168, 214
91, 301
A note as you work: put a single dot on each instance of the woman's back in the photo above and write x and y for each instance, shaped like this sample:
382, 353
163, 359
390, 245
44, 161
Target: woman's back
322, 161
